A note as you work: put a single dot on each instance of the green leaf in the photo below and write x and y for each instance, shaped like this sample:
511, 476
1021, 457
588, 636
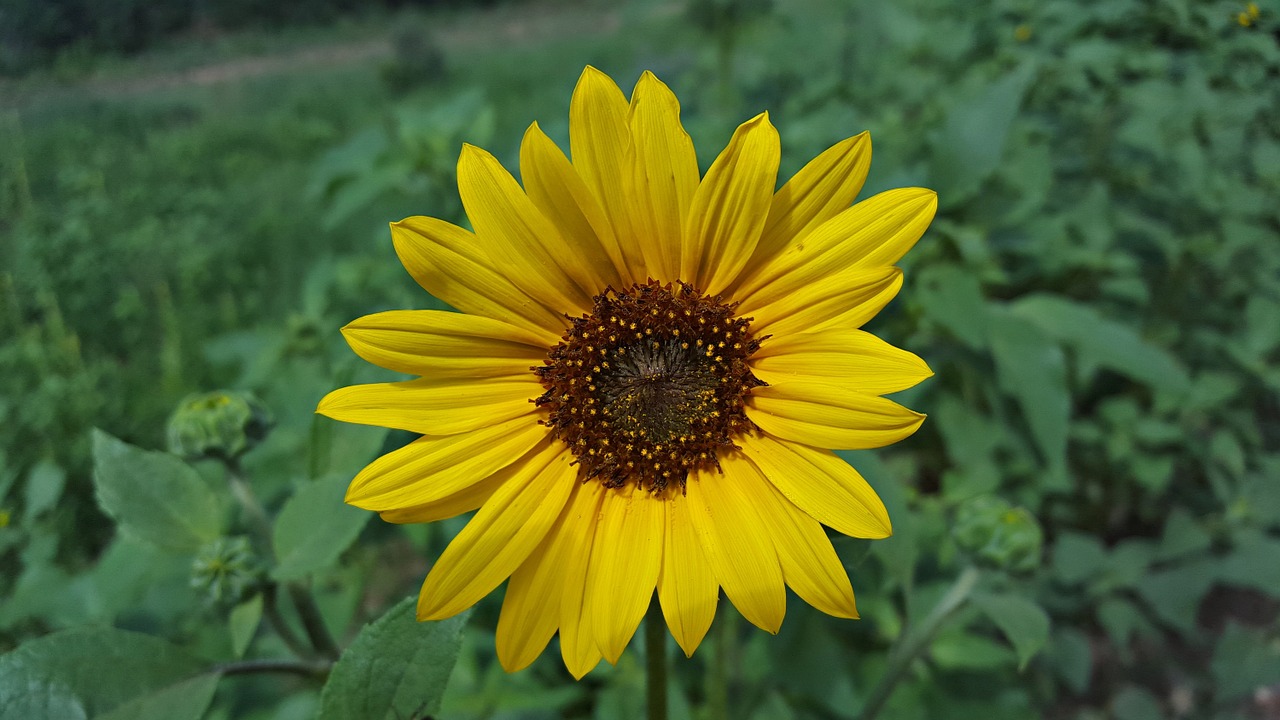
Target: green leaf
1243, 661
1077, 557
1175, 594
1072, 657
1135, 703
103, 673
1106, 342
1022, 621
44, 486
1033, 371
972, 140
243, 624
952, 297
965, 651
396, 668
314, 527
154, 496
1182, 536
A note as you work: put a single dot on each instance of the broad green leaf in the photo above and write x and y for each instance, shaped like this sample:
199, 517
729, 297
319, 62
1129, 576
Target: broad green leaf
1033, 371
1182, 536
103, 673
952, 297
1175, 594
243, 624
1022, 621
1071, 655
44, 487
1135, 703
1077, 557
154, 496
1243, 661
972, 140
396, 668
965, 651
314, 527
1106, 342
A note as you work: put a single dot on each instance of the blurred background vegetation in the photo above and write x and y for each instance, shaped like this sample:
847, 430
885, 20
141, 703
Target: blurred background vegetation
194, 196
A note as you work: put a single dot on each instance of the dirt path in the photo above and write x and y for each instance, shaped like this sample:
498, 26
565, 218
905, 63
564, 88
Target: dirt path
514, 25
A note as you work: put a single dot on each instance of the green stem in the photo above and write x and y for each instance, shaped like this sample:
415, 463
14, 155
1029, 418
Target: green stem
902, 655
295, 667
718, 679
308, 612
313, 622
277, 622
655, 645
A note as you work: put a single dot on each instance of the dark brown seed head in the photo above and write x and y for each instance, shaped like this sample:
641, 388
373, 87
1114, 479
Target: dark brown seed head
650, 384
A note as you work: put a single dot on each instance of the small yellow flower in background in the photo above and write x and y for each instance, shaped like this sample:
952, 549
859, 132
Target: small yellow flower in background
1250, 14
644, 380
1022, 33
4, 518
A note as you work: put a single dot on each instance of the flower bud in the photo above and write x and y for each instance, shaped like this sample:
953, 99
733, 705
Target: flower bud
227, 571
223, 424
997, 534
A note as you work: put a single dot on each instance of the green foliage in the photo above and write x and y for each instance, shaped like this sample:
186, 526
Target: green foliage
397, 667
154, 497
1097, 297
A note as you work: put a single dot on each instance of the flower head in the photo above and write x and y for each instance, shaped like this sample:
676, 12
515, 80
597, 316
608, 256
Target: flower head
647, 373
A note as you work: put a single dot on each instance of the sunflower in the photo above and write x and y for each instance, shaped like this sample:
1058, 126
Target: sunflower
645, 380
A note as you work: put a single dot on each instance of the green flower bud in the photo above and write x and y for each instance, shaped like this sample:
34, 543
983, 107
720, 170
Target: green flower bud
997, 534
227, 571
223, 424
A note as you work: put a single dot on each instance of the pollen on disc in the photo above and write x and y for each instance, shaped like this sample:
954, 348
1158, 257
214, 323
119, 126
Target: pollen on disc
650, 385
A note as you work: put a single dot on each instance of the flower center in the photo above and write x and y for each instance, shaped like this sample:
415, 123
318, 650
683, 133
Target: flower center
650, 384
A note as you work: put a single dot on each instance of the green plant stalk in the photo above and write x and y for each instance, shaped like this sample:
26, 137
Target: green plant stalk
278, 623
312, 621
717, 690
655, 646
915, 643
294, 667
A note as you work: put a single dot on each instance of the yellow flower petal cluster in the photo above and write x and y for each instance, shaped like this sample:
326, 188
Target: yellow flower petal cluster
610, 257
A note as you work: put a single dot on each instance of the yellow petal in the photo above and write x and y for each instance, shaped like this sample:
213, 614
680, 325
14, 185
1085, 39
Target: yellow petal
730, 207
844, 300
850, 358
463, 500
577, 637
562, 196
434, 407
531, 608
625, 560
440, 344
432, 468
509, 225
600, 140
821, 484
448, 262
737, 544
687, 586
502, 534
829, 416
809, 562
664, 174
874, 233
823, 188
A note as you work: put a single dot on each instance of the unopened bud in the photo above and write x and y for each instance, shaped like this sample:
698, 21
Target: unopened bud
227, 571
223, 424
997, 534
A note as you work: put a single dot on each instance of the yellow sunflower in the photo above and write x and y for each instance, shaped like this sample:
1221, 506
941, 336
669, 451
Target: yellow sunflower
645, 377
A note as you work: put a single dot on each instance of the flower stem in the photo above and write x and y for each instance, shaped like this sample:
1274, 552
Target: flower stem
308, 612
313, 622
295, 667
269, 608
904, 653
655, 645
